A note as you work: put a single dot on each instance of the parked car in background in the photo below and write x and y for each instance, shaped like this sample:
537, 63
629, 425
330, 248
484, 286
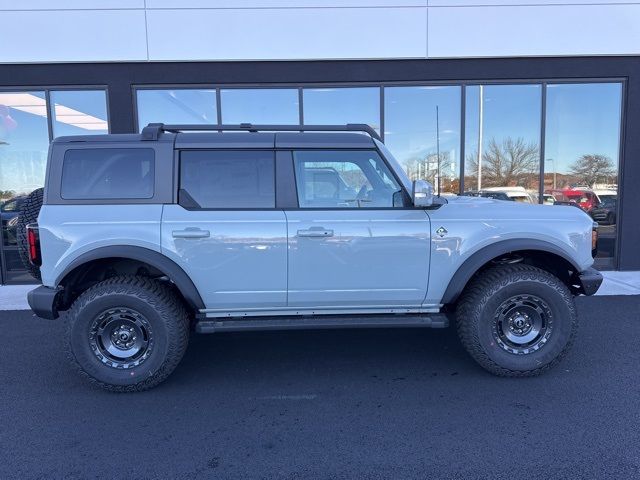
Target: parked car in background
548, 199
605, 212
486, 194
9, 212
584, 198
517, 194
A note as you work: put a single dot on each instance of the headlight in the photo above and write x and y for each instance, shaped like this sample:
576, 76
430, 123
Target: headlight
594, 239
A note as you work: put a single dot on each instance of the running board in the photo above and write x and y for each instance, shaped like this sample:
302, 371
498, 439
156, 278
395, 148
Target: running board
433, 320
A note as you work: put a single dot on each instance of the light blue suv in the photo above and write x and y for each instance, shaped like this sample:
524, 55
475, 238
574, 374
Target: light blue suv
142, 238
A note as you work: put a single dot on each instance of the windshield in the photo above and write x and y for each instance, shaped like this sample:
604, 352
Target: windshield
395, 165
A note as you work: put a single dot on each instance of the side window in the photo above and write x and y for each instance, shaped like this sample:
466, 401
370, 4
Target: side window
228, 179
344, 179
107, 173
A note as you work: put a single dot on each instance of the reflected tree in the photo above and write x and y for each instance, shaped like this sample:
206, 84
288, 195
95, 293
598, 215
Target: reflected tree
7, 194
593, 168
507, 163
425, 167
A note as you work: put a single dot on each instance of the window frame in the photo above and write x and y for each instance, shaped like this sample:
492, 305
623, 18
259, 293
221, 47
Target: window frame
184, 203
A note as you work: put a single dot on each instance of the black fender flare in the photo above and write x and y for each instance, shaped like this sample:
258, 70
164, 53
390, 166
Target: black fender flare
156, 259
472, 264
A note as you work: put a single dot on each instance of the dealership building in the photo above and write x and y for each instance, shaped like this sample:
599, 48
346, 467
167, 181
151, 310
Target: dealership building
537, 101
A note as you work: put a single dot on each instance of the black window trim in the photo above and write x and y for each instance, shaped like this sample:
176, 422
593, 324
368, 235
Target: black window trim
178, 183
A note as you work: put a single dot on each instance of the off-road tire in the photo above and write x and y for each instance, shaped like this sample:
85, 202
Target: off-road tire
167, 318
29, 214
479, 307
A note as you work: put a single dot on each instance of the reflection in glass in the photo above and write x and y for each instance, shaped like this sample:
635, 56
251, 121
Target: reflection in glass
177, 106
24, 140
278, 106
338, 106
502, 141
79, 112
419, 122
9, 211
582, 152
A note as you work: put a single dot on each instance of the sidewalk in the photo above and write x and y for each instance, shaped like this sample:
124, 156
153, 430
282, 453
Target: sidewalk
14, 297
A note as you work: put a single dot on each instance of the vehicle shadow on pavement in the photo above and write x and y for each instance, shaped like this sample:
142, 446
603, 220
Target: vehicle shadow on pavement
352, 354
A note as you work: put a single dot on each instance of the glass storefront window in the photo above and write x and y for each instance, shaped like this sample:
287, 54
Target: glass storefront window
502, 141
419, 121
278, 106
24, 140
79, 112
339, 106
178, 106
582, 142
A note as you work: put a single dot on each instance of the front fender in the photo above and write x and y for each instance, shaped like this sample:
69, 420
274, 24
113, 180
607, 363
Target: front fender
479, 258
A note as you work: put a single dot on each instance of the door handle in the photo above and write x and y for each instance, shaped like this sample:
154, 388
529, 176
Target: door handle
316, 232
191, 233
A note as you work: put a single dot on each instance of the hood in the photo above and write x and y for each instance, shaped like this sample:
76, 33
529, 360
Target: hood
482, 208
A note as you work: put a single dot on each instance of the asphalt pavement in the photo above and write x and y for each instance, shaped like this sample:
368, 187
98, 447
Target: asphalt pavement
329, 404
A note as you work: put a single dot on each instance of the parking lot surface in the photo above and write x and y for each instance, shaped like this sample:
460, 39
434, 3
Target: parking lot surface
329, 404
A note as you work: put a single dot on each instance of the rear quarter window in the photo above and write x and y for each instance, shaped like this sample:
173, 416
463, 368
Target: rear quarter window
108, 173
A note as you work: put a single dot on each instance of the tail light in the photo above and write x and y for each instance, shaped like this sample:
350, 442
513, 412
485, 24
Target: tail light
594, 239
33, 240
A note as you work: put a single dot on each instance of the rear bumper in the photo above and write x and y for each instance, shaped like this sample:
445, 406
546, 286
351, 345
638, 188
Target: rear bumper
589, 281
43, 301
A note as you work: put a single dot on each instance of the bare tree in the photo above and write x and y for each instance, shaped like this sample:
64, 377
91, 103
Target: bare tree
592, 168
7, 194
509, 163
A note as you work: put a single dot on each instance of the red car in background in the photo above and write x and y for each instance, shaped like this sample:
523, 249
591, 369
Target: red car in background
584, 198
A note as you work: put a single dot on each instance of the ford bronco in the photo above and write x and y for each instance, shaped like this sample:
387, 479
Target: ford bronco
141, 239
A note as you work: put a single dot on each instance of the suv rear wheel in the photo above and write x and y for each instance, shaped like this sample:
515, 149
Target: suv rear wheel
127, 333
517, 320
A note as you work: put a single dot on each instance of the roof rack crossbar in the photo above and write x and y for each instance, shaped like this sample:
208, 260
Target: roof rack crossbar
153, 130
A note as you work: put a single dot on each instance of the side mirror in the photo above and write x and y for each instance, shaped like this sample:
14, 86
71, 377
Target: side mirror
422, 193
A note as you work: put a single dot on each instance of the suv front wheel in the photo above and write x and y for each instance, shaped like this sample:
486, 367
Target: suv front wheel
516, 320
127, 333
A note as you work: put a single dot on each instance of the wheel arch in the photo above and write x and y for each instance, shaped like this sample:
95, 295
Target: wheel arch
532, 251
133, 255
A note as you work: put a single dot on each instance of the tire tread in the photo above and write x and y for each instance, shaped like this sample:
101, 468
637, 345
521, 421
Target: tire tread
478, 292
162, 298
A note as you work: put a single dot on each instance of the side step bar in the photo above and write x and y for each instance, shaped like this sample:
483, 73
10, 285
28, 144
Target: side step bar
432, 320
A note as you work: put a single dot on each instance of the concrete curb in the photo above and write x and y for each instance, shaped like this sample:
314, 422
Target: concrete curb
14, 297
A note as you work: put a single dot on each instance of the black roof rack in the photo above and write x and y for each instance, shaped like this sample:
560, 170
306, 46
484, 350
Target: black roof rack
153, 130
